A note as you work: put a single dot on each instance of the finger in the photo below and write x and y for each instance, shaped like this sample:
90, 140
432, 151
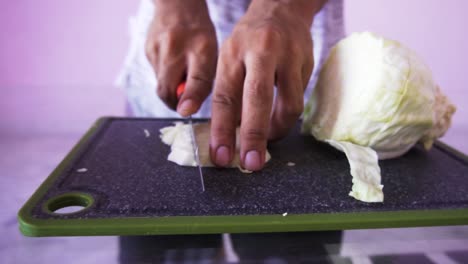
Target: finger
256, 108
168, 61
163, 58
226, 105
289, 102
198, 84
169, 76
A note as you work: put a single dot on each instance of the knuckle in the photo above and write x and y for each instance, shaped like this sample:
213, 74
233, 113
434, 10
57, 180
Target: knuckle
295, 50
205, 62
206, 45
254, 134
200, 80
227, 43
169, 38
259, 60
268, 36
229, 48
167, 59
256, 89
198, 87
222, 131
269, 32
225, 100
170, 43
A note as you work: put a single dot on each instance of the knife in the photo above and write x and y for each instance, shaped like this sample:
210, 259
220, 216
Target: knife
179, 92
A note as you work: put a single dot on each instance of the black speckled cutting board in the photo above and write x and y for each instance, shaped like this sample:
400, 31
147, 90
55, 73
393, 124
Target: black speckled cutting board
129, 178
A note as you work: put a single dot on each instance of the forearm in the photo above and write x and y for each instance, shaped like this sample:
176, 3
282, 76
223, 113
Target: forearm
303, 9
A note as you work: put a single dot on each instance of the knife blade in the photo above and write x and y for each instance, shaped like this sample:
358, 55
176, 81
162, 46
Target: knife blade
180, 91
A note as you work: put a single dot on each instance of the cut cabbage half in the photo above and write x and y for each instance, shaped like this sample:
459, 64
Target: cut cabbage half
374, 98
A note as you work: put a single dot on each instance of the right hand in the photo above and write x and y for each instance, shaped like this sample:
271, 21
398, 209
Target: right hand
270, 45
181, 46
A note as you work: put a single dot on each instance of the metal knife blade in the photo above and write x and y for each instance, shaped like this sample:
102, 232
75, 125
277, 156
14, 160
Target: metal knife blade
180, 90
195, 152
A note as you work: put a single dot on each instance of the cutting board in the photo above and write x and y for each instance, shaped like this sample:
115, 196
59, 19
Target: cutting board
119, 174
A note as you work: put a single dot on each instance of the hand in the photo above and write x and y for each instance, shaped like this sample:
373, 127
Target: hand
270, 45
181, 46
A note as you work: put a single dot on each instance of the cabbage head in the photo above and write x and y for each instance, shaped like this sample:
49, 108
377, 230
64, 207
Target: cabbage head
375, 99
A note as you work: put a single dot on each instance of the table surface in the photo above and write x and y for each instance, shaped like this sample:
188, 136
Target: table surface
26, 162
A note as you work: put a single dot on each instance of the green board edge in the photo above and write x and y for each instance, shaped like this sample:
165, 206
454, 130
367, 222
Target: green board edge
30, 226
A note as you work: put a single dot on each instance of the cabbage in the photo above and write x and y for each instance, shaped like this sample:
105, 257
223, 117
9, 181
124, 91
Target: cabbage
375, 98
179, 138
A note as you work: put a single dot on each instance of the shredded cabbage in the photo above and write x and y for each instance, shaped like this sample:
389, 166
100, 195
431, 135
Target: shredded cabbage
179, 138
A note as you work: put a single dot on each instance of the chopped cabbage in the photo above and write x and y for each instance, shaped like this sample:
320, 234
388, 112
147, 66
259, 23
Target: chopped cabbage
179, 138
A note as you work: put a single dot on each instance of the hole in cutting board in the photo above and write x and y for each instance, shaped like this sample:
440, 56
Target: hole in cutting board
69, 209
68, 203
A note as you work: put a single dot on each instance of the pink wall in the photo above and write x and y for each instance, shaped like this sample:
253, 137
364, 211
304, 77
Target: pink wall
71, 42
59, 58
58, 62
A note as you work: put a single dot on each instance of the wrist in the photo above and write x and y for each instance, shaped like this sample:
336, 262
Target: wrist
181, 12
304, 10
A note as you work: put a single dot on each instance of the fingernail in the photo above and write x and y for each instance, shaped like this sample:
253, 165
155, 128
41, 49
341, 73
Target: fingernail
186, 107
222, 156
252, 161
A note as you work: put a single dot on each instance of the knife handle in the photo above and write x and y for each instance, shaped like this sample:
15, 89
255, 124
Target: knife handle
180, 89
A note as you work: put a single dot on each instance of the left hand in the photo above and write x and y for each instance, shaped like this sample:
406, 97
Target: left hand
270, 45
